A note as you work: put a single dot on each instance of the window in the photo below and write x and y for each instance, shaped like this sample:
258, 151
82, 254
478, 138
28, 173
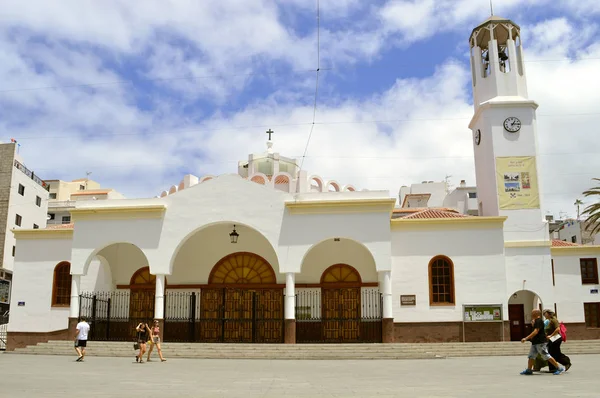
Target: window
66, 219
573, 239
589, 271
35, 226
61, 288
51, 216
82, 187
18, 220
441, 281
592, 315
472, 195
14, 250
21, 190
38, 201
52, 196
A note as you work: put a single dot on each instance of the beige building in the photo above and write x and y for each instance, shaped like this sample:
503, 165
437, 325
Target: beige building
64, 194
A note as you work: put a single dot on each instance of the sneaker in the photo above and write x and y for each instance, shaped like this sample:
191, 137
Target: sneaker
527, 372
560, 371
79, 359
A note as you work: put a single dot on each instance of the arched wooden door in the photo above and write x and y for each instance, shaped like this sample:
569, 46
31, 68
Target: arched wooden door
141, 299
341, 310
242, 303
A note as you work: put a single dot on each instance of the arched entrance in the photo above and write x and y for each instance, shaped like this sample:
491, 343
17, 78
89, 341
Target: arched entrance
242, 303
520, 305
341, 303
141, 298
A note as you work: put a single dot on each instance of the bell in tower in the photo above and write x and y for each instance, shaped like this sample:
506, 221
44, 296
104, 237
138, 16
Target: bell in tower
497, 60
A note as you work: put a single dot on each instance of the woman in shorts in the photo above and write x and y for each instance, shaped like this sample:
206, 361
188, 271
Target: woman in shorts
155, 341
143, 335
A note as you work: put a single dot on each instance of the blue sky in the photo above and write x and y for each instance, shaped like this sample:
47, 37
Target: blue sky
140, 93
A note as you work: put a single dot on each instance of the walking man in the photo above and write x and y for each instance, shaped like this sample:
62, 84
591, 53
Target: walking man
539, 345
82, 330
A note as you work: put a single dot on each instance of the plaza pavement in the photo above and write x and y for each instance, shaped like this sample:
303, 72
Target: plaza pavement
60, 376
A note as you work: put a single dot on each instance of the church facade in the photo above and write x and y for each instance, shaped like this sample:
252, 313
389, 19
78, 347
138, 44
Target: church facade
275, 255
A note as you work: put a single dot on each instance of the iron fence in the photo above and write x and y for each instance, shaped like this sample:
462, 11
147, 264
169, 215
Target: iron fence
113, 316
340, 315
3, 330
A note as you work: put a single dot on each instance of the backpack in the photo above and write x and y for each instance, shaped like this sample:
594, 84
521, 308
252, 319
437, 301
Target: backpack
563, 332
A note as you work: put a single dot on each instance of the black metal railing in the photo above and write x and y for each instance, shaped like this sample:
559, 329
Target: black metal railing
339, 315
3, 330
226, 315
113, 316
31, 174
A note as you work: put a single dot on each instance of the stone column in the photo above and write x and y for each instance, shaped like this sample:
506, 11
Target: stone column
159, 303
74, 306
387, 327
290, 308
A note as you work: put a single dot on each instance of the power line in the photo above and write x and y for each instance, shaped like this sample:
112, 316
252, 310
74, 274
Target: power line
312, 126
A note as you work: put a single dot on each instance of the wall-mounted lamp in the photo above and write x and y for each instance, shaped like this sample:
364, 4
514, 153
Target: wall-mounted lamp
234, 235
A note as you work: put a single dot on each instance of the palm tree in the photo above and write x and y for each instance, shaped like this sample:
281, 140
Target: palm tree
593, 210
578, 203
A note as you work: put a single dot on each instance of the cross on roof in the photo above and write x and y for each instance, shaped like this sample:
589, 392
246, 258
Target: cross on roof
270, 132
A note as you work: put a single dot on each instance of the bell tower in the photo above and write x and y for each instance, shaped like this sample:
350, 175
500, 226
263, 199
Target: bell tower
505, 131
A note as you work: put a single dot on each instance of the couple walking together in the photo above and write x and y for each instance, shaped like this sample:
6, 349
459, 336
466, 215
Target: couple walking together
545, 342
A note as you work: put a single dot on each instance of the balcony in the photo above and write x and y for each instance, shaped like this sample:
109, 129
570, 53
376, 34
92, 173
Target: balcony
61, 204
31, 175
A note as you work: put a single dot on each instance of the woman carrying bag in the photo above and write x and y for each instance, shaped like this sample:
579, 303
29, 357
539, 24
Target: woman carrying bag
555, 340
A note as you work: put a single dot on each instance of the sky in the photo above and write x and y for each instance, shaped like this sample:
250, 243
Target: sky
140, 93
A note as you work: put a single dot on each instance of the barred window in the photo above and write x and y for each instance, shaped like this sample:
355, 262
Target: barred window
441, 281
61, 289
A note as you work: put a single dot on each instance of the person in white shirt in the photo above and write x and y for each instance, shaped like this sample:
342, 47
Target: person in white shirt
82, 330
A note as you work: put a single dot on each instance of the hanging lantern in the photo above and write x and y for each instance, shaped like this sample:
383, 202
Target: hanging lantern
234, 235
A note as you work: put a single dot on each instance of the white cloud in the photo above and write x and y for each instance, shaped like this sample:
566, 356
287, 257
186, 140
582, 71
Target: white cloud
143, 141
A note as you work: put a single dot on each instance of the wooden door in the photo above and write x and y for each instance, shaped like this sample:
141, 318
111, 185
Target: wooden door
516, 317
238, 316
268, 315
211, 314
341, 314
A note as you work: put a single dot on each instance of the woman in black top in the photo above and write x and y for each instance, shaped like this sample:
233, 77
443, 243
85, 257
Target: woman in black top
143, 335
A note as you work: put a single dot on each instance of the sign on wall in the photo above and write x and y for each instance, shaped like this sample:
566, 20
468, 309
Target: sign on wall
4, 291
482, 313
517, 183
408, 299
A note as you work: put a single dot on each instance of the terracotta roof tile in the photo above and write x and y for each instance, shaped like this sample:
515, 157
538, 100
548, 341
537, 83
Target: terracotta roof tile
417, 209
433, 213
561, 243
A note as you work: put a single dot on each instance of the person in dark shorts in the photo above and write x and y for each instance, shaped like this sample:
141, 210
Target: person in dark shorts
82, 329
143, 335
539, 345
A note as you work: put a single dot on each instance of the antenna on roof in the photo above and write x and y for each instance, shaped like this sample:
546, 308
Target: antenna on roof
492, 8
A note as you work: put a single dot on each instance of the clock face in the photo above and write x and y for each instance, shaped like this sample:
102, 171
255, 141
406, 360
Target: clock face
512, 124
478, 137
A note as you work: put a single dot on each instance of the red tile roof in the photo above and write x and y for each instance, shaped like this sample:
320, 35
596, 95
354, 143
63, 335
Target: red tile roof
433, 214
92, 192
561, 243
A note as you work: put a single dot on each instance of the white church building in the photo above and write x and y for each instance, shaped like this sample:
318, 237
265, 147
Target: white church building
273, 254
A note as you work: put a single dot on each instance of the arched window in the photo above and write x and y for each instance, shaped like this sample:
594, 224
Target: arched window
441, 281
61, 285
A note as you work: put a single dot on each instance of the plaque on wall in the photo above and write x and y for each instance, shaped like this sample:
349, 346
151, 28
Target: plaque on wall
408, 299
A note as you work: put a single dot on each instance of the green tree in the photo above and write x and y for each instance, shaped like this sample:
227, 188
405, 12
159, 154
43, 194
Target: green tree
593, 211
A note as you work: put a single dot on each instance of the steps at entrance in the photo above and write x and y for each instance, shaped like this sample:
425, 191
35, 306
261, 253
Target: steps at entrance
310, 351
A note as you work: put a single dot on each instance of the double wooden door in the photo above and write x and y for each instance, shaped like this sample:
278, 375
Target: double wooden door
241, 315
341, 314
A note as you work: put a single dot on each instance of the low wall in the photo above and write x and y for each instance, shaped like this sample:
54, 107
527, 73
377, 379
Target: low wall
447, 332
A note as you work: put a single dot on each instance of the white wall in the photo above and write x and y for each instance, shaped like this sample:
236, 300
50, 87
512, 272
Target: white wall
530, 268
479, 270
569, 291
99, 277
26, 207
32, 283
